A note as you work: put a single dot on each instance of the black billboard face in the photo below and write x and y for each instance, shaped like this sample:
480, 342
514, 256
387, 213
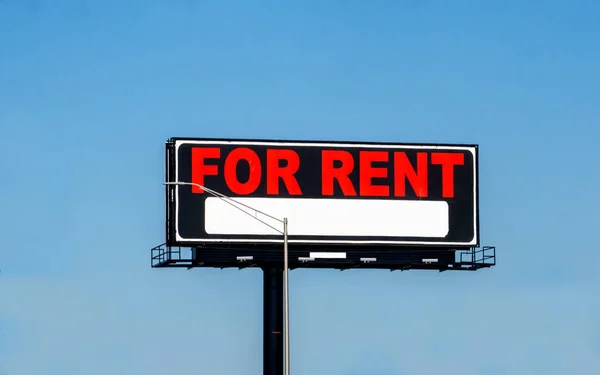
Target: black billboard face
331, 193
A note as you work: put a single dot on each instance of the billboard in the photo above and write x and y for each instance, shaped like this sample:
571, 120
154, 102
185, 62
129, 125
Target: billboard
333, 193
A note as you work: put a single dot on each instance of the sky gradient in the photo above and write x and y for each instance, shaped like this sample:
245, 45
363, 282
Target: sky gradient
90, 90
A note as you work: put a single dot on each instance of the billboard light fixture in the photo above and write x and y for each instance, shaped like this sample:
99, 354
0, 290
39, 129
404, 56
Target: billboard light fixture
328, 255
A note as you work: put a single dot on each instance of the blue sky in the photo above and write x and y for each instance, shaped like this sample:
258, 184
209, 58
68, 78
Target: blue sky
90, 90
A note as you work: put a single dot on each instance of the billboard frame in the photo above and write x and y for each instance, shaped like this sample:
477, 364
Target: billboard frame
172, 201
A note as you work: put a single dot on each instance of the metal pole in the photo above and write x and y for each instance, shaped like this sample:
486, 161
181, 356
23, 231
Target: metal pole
273, 321
286, 309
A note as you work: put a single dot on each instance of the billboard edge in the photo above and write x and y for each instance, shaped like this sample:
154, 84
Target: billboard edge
173, 237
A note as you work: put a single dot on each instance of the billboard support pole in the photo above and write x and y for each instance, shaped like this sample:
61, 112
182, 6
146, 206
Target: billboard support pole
272, 321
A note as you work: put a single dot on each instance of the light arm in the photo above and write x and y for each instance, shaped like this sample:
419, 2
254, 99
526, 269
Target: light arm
229, 201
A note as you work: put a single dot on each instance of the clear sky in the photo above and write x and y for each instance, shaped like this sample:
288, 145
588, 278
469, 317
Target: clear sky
90, 90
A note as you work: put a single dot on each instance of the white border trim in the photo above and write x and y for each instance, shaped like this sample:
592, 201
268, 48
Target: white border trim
471, 149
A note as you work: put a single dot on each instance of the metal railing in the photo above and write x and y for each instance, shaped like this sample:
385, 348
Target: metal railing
478, 258
162, 254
